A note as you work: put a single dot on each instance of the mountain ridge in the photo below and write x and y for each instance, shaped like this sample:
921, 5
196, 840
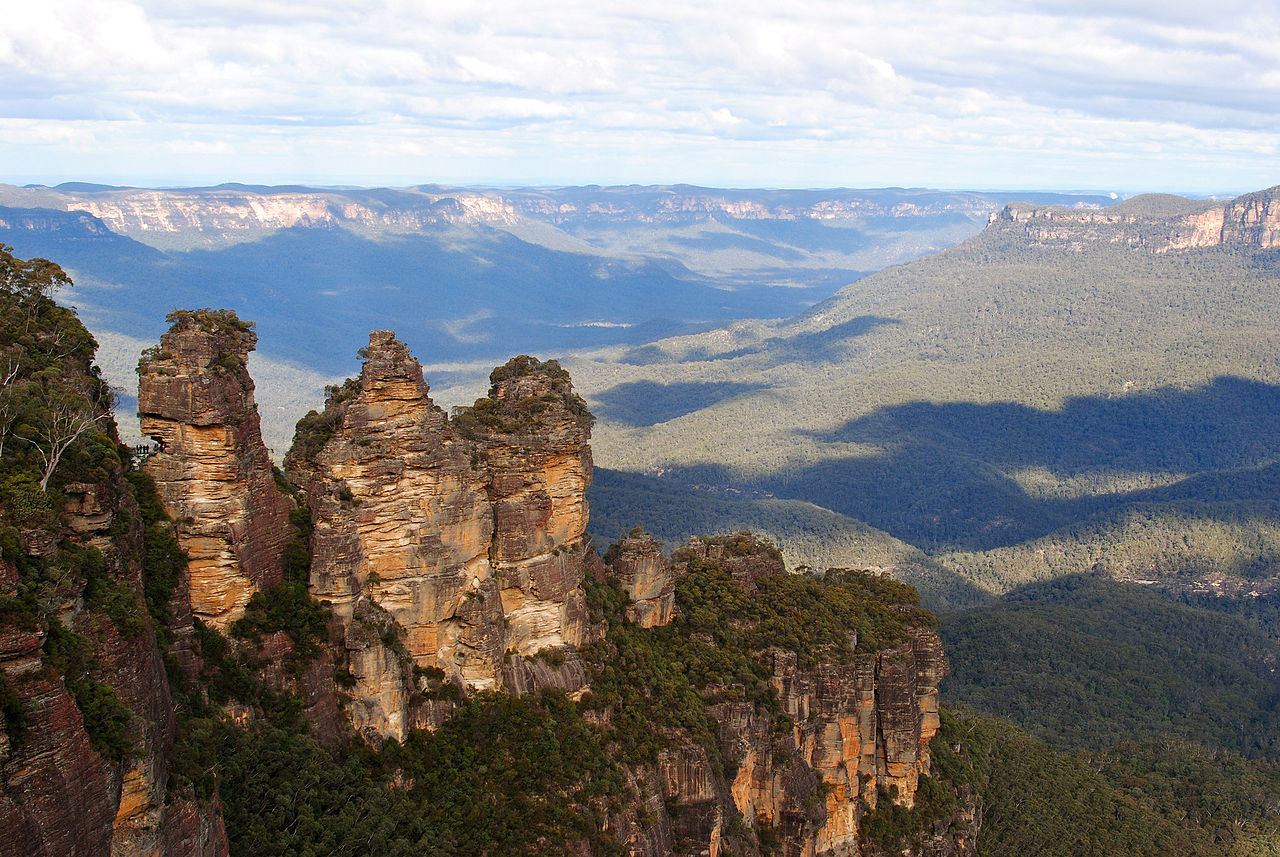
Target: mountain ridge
137, 211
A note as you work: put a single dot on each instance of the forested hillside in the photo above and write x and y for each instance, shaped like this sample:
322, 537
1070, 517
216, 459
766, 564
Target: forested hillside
1028, 404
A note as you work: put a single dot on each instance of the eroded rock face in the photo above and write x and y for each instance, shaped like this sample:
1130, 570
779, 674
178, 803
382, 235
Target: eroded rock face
1158, 224
444, 544
857, 729
647, 578
854, 731
213, 472
58, 795
532, 432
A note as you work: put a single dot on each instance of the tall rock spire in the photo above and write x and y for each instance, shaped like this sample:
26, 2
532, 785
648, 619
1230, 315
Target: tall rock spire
195, 399
445, 545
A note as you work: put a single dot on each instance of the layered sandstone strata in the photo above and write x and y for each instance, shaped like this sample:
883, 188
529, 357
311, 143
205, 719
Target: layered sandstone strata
448, 545
532, 434
854, 731
58, 793
195, 399
1154, 222
645, 575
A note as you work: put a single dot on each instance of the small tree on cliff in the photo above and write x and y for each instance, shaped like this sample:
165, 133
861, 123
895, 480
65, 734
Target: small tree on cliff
50, 395
57, 425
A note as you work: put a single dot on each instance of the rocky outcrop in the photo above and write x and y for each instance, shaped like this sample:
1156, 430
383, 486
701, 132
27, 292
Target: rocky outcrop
59, 793
444, 544
1252, 220
532, 436
644, 574
1153, 222
857, 731
195, 399
452, 551
846, 734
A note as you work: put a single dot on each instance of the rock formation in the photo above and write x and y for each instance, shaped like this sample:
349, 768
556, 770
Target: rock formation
444, 544
646, 576
195, 399
1157, 223
453, 554
855, 730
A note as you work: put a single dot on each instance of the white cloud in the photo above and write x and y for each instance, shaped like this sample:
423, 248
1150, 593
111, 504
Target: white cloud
920, 85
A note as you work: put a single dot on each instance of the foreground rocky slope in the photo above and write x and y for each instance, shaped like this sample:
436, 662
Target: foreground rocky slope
86, 756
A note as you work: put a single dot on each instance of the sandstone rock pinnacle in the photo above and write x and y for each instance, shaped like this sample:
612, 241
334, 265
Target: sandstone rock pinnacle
443, 544
195, 399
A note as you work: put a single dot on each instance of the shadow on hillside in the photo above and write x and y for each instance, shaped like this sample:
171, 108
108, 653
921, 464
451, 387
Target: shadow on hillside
673, 512
647, 403
817, 345
945, 479
1229, 423
821, 343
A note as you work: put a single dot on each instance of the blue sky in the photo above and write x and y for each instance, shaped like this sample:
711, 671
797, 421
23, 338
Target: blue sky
1126, 95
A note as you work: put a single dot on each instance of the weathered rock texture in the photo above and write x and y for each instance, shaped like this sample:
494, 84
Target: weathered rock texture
1156, 223
213, 472
647, 578
855, 731
443, 544
58, 795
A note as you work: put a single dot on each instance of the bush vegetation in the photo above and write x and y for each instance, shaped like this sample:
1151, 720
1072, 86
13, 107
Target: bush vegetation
1084, 661
524, 414
1104, 400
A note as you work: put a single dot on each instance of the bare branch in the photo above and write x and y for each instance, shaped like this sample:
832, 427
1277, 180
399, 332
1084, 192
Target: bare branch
63, 423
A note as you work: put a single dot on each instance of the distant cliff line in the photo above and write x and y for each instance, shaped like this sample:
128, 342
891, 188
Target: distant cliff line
135, 211
1158, 222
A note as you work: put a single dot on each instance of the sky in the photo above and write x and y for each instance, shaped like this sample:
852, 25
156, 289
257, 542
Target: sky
1126, 95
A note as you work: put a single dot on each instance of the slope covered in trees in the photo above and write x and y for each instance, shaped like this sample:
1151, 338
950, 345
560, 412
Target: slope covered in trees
1016, 407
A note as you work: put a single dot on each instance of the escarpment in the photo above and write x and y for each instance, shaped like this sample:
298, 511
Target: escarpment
452, 545
1156, 223
86, 752
195, 399
837, 724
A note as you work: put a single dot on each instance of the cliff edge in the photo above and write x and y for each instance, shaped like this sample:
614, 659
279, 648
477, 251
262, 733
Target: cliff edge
1158, 223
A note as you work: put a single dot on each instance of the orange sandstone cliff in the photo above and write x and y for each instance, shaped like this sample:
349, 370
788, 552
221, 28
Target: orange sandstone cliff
441, 544
195, 399
1158, 223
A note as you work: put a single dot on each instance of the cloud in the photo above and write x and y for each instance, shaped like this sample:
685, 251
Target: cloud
883, 79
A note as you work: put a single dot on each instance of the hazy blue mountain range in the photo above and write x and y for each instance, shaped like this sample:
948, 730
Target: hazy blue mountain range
465, 276
470, 273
